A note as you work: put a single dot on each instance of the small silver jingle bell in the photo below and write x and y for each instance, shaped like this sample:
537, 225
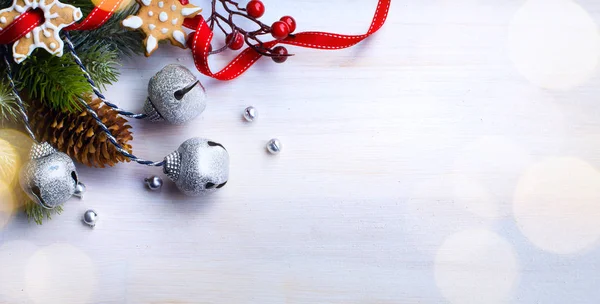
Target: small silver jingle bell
90, 217
49, 178
154, 182
174, 95
198, 166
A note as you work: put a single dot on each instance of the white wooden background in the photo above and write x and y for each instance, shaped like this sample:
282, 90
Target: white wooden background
451, 158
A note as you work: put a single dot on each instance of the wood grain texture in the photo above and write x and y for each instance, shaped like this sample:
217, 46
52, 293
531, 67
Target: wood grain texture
422, 166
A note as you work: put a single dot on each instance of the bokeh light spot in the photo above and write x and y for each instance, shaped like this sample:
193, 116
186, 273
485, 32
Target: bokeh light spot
557, 205
60, 273
473, 263
554, 43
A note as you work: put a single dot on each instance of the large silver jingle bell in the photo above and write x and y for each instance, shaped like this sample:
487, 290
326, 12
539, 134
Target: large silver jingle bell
49, 178
199, 166
174, 95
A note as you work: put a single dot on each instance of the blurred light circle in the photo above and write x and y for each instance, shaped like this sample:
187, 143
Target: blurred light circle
10, 163
473, 263
556, 205
554, 43
8, 204
13, 259
19, 140
60, 273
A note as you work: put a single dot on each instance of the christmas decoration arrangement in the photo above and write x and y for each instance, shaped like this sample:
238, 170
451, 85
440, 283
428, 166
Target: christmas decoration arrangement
60, 57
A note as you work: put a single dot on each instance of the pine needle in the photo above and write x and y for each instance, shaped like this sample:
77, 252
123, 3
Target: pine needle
38, 213
8, 105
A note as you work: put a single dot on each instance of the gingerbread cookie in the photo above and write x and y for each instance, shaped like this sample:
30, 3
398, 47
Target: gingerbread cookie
47, 35
161, 20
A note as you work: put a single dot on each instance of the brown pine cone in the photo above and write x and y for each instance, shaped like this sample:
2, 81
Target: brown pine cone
79, 136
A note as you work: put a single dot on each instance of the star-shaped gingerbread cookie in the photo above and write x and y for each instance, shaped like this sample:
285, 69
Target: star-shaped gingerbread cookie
57, 15
161, 20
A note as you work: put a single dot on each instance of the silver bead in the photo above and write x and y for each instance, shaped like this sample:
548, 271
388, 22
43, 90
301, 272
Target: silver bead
198, 166
49, 178
250, 114
79, 190
154, 182
174, 95
90, 217
274, 146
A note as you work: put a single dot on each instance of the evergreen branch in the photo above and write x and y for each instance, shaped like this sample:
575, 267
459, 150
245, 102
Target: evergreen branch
102, 64
38, 214
56, 80
8, 105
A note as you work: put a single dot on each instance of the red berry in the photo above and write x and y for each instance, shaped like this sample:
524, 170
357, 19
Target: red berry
290, 22
237, 43
279, 54
255, 8
280, 30
184, 2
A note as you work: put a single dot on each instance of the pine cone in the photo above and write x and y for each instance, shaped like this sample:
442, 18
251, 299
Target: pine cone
79, 136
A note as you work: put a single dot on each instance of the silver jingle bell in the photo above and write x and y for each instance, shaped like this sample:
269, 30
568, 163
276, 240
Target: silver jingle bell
274, 146
174, 95
198, 166
154, 182
90, 217
49, 178
250, 114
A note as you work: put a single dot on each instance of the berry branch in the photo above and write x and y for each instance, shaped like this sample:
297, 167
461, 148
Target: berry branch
237, 36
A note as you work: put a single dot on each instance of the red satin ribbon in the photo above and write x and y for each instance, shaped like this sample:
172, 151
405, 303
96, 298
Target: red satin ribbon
201, 38
25, 22
22, 25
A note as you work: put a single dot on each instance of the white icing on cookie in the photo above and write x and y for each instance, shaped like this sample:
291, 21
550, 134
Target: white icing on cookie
46, 33
133, 22
179, 36
186, 11
173, 7
174, 21
150, 13
161, 4
146, 2
3, 19
52, 45
163, 17
28, 35
151, 44
164, 30
151, 26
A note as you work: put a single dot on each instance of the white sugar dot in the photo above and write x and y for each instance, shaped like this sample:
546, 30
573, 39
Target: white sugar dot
161, 4
164, 30
150, 13
173, 7
554, 44
556, 205
478, 260
151, 26
174, 21
52, 45
163, 17
3, 19
47, 33
28, 35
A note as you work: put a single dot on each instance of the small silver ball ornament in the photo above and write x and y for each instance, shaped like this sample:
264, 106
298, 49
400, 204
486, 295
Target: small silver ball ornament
274, 146
174, 95
199, 166
90, 217
49, 178
154, 182
250, 114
